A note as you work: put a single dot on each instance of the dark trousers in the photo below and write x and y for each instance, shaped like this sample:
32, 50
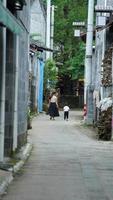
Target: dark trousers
66, 114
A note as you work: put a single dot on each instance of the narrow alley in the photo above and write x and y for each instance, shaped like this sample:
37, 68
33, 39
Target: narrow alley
67, 163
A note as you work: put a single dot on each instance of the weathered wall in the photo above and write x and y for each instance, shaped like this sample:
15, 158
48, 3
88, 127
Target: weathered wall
9, 97
34, 83
103, 41
1, 46
24, 17
38, 20
38, 27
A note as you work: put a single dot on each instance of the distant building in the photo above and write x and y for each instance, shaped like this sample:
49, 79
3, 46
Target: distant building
37, 54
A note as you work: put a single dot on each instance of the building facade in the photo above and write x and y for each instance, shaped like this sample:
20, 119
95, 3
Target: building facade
14, 66
102, 75
37, 54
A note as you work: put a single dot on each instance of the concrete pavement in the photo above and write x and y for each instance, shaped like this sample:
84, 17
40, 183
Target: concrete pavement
8, 171
67, 163
5, 179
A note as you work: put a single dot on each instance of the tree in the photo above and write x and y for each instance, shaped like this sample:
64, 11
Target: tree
70, 53
76, 64
50, 74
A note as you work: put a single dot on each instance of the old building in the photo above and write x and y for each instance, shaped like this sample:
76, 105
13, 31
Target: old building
102, 81
14, 65
37, 54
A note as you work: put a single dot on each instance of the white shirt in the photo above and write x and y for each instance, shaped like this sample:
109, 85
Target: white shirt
53, 99
66, 108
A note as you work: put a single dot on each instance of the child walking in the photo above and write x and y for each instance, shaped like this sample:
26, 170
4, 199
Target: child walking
66, 112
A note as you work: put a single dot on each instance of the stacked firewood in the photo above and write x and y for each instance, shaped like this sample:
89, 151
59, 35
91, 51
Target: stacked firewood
104, 124
107, 68
105, 106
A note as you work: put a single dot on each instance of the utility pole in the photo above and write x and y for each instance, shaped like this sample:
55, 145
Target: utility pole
103, 51
88, 94
2, 98
48, 28
52, 27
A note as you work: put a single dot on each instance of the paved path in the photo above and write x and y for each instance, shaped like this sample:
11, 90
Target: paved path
66, 164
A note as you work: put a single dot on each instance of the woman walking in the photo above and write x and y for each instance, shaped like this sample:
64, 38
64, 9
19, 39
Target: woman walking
53, 106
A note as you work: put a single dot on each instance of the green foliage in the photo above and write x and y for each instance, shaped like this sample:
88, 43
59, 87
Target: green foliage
44, 2
76, 64
70, 52
50, 74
